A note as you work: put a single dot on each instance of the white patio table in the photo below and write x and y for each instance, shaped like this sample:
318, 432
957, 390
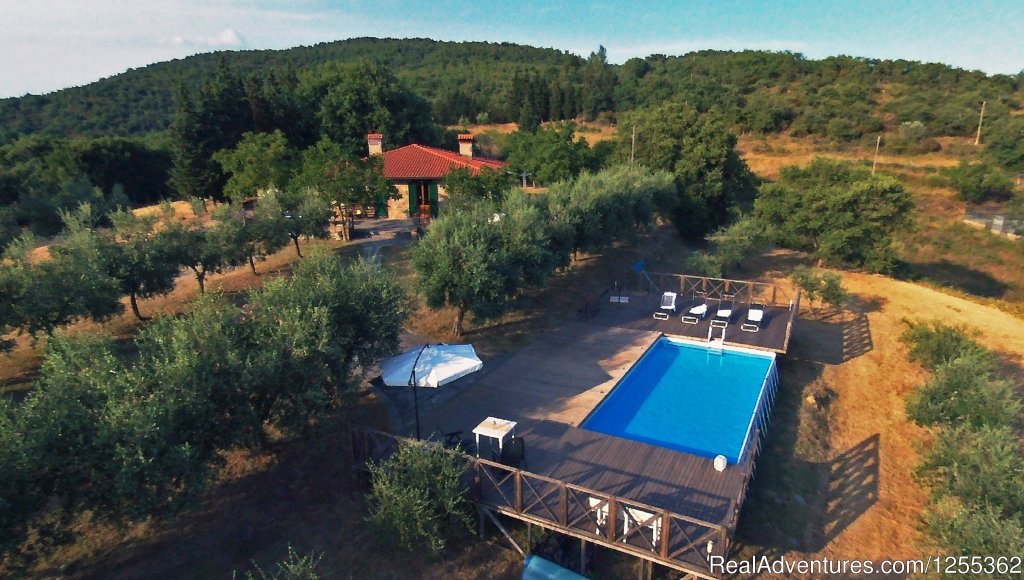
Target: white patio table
494, 428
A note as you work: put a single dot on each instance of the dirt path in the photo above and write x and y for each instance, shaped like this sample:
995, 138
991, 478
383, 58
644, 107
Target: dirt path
874, 501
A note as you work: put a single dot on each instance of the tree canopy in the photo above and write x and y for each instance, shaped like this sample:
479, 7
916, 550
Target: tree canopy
257, 161
342, 178
549, 155
478, 259
700, 151
839, 212
130, 436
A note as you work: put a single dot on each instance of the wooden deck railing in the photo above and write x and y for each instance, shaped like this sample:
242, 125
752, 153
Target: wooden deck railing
742, 291
675, 540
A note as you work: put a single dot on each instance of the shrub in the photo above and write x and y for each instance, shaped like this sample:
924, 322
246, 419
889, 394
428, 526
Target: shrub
979, 182
962, 392
824, 286
738, 241
702, 263
933, 343
971, 531
418, 497
831, 290
293, 567
982, 467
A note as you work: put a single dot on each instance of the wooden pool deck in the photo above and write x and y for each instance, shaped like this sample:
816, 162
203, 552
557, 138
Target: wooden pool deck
663, 505
638, 314
549, 388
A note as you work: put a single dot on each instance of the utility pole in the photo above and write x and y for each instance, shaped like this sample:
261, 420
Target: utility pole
981, 119
632, 149
874, 163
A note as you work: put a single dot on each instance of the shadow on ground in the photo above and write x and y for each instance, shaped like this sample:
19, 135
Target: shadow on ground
966, 279
805, 493
307, 498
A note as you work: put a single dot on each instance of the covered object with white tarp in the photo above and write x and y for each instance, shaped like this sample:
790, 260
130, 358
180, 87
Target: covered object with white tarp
437, 365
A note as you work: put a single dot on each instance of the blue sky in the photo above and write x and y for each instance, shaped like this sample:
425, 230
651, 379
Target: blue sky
51, 44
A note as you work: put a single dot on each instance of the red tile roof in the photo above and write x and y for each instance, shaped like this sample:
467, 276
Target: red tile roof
422, 162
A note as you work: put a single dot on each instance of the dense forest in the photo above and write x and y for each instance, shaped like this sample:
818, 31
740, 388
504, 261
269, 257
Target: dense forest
153, 133
840, 97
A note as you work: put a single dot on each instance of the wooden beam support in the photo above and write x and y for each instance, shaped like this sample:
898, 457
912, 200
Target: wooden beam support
583, 556
504, 532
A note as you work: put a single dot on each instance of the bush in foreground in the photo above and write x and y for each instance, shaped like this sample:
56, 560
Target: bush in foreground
418, 497
933, 343
973, 531
294, 566
961, 392
982, 467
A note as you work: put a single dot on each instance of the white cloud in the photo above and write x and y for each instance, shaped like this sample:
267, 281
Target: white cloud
227, 38
52, 44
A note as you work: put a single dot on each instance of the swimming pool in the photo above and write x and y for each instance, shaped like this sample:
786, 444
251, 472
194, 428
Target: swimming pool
690, 398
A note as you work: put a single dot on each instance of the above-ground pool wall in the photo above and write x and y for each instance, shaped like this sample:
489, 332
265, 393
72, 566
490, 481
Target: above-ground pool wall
761, 417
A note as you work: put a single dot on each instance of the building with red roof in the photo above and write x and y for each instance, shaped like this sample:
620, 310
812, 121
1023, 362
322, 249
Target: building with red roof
416, 172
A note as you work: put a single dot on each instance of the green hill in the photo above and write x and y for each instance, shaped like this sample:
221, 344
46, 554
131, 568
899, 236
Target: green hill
842, 98
142, 100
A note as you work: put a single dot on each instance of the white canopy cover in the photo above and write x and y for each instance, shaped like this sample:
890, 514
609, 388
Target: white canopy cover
438, 365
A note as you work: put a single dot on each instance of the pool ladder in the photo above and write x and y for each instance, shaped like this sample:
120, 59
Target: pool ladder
715, 344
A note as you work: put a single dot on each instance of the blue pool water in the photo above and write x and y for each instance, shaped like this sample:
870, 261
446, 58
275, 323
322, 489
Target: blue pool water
685, 397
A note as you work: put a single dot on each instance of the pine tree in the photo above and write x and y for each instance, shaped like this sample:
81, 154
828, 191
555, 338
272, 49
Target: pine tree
557, 103
187, 154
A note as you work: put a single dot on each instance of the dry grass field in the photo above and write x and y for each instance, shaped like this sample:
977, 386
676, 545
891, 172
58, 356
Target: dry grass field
834, 478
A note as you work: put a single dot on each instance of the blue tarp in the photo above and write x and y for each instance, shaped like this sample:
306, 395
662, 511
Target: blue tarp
537, 568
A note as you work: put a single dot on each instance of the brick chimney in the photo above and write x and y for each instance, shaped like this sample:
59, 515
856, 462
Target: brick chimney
466, 145
375, 143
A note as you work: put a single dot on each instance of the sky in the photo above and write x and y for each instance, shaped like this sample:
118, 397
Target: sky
53, 44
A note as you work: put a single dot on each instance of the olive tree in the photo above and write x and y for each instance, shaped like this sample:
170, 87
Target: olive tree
146, 261
615, 204
418, 497
309, 334
209, 248
306, 213
73, 283
840, 213
477, 260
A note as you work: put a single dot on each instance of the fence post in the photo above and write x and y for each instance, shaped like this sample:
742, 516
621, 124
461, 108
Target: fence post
666, 523
563, 500
613, 508
519, 491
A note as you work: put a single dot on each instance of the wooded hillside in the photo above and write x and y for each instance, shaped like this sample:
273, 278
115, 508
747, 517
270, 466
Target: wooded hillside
840, 97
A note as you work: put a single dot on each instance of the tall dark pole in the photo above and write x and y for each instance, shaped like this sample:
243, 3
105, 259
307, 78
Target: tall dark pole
415, 394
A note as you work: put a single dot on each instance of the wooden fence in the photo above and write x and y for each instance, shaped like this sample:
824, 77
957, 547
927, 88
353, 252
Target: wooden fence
741, 291
675, 540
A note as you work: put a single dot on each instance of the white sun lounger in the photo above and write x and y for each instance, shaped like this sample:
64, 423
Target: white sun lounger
723, 314
668, 306
754, 317
696, 313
